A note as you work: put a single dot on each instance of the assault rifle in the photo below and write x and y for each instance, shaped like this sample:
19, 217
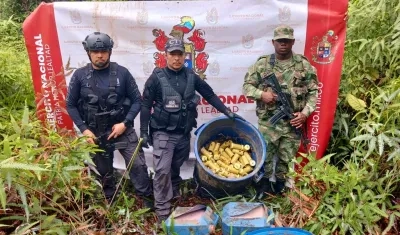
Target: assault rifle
102, 120
285, 109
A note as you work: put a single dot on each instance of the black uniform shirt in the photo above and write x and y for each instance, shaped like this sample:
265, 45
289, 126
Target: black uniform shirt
126, 87
152, 93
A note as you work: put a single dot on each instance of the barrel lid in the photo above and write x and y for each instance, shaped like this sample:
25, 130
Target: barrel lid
188, 210
280, 231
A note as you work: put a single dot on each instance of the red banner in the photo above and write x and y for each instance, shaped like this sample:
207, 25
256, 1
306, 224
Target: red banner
326, 33
41, 40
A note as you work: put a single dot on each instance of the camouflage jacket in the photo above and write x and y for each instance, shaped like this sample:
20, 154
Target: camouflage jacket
298, 78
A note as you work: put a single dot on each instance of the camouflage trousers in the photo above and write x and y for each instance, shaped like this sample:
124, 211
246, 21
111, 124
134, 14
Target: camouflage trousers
280, 144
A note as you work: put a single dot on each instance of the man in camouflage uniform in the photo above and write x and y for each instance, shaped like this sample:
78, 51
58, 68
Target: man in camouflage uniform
298, 78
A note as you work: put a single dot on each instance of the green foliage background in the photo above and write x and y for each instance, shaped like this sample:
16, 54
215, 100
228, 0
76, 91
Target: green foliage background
15, 83
355, 186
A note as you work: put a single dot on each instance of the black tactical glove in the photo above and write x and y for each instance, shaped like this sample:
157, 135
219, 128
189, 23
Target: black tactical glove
147, 141
231, 115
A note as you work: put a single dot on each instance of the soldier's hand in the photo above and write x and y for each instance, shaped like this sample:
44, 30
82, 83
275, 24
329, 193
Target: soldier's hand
298, 120
117, 130
268, 97
90, 135
146, 140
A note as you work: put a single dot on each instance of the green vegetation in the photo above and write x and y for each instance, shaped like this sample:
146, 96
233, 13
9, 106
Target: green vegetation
46, 187
354, 189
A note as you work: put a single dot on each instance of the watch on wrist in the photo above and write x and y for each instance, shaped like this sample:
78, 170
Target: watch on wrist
127, 123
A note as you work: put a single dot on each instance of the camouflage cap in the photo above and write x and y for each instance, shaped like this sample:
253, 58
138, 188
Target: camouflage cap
283, 32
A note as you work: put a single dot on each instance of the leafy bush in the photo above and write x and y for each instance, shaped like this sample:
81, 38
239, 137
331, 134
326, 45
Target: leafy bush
349, 201
43, 180
357, 196
15, 80
18, 9
371, 72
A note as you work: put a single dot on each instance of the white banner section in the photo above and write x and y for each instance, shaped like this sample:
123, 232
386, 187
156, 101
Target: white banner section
223, 38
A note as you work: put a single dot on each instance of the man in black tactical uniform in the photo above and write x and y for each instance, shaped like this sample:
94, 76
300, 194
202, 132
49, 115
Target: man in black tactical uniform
103, 100
171, 93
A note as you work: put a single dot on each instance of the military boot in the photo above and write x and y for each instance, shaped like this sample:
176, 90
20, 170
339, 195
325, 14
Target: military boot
176, 193
160, 219
148, 203
279, 186
262, 188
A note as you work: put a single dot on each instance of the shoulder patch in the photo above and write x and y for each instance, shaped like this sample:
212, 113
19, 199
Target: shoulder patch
300, 58
263, 57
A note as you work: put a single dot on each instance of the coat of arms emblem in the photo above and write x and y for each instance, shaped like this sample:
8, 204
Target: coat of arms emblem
212, 16
323, 48
195, 57
142, 17
147, 68
248, 41
214, 68
75, 16
284, 14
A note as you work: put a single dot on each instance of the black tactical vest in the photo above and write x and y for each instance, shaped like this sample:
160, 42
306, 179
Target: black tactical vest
175, 112
95, 102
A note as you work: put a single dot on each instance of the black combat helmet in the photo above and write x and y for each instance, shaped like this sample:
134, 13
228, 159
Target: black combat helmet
98, 42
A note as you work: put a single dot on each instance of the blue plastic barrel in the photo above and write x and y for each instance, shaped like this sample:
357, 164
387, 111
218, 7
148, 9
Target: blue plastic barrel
241, 132
280, 231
